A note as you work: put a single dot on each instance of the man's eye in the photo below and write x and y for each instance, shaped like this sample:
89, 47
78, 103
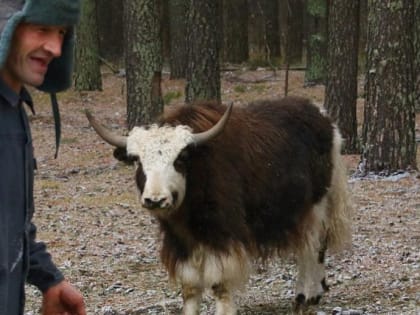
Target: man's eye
42, 29
63, 32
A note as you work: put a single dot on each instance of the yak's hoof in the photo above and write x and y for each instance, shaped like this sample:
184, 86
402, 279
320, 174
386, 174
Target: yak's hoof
301, 302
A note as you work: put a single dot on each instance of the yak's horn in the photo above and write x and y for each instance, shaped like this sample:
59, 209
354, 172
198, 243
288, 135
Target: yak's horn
108, 136
214, 131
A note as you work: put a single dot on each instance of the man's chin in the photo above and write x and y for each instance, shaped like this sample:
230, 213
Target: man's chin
35, 81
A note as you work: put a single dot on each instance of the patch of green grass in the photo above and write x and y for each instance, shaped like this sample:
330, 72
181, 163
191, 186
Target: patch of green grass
259, 88
239, 88
69, 140
170, 96
49, 184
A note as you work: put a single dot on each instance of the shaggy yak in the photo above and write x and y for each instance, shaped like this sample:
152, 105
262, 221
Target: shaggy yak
228, 186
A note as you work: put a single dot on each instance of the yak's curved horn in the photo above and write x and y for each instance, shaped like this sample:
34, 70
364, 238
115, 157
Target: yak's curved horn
108, 136
203, 137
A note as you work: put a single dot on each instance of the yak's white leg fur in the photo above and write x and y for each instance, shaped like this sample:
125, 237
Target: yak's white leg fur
222, 274
225, 304
192, 299
339, 209
310, 259
329, 227
311, 278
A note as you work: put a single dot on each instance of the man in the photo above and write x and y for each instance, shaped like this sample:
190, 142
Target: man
36, 46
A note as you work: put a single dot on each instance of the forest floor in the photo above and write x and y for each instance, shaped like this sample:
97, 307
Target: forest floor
88, 214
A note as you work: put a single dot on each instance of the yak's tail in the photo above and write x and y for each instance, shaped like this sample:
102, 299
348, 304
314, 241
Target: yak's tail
339, 212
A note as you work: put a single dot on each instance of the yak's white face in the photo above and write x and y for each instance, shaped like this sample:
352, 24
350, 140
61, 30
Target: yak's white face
161, 184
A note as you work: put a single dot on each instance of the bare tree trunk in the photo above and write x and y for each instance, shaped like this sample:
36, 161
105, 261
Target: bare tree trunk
87, 76
291, 26
203, 71
316, 54
178, 13
417, 51
235, 31
389, 118
143, 61
264, 34
110, 28
341, 88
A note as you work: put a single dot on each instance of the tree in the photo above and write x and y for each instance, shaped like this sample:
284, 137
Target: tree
341, 87
203, 70
163, 9
291, 27
143, 61
362, 33
235, 31
417, 51
264, 34
178, 12
110, 28
316, 55
88, 73
389, 115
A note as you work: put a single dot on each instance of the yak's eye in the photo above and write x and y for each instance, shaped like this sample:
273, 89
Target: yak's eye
140, 177
121, 155
133, 158
181, 160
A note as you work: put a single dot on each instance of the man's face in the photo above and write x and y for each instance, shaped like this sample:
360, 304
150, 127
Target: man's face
32, 49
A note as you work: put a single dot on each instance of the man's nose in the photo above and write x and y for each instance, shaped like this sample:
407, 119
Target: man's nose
54, 44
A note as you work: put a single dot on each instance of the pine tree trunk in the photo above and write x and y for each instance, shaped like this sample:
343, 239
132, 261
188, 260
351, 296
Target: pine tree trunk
316, 56
235, 30
110, 28
291, 26
341, 88
264, 34
417, 52
88, 73
143, 61
203, 71
389, 116
178, 12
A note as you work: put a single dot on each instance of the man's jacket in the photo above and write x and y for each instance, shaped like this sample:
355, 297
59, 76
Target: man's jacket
21, 257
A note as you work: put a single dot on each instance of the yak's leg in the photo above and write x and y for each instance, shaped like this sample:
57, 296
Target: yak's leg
311, 282
225, 304
192, 299
311, 278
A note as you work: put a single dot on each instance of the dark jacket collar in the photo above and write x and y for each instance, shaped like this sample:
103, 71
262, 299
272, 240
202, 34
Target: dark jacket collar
14, 99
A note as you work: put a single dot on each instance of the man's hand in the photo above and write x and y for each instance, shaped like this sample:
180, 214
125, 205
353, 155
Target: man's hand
63, 299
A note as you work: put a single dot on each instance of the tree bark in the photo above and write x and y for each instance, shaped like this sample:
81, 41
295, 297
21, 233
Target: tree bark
389, 117
316, 55
417, 52
341, 87
235, 31
203, 71
143, 61
87, 76
178, 13
291, 30
264, 33
110, 28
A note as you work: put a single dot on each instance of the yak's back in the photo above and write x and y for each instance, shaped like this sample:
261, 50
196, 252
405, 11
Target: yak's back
271, 164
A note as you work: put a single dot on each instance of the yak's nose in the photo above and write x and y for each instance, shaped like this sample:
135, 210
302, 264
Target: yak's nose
155, 203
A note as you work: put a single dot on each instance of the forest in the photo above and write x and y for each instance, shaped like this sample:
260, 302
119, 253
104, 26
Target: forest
359, 60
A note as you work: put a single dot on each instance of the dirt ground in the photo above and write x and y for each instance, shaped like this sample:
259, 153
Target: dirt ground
88, 214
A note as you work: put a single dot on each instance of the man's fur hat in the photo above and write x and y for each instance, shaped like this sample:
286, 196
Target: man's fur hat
46, 12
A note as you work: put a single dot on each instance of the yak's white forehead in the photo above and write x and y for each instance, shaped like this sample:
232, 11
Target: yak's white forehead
158, 145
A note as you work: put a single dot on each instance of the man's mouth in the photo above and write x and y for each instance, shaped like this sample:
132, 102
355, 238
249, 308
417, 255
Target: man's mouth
40, 63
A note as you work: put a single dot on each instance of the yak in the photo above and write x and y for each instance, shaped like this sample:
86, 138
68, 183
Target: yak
229, 186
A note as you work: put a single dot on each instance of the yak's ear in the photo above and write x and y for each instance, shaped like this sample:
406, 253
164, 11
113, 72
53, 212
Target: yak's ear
121, 155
